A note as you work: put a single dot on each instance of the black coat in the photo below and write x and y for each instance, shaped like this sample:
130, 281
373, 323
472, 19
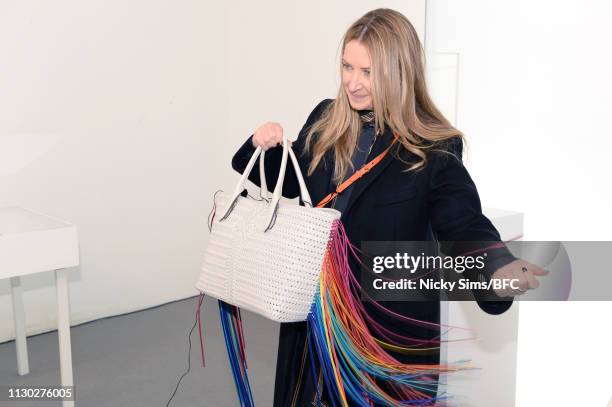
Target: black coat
438, 203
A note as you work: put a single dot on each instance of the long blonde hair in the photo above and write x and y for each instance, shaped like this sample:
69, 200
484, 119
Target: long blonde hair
399, 96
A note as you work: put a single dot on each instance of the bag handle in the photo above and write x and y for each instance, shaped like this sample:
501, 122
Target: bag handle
273, 207
304, 194
263, 186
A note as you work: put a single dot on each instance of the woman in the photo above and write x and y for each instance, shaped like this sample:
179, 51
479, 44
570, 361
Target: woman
418, 191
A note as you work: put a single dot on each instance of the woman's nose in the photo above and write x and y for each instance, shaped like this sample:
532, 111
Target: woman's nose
354, 82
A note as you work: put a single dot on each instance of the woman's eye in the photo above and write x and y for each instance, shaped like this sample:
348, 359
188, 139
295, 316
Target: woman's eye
366, 73
347, 66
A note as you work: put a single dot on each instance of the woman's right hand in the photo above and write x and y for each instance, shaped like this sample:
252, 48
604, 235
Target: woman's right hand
268, 135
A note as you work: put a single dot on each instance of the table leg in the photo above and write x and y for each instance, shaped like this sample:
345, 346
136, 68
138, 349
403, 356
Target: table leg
63, 330
23, 366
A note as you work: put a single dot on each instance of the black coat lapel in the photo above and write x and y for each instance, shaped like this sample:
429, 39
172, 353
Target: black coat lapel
362, 184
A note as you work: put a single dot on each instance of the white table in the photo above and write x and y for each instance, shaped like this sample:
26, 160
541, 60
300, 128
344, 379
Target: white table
30, 243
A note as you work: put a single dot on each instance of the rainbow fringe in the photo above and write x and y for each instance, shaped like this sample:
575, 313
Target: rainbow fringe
231, 322
351, 358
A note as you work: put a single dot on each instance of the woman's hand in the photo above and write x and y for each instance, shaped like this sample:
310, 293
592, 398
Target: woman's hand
524, 275
268, 135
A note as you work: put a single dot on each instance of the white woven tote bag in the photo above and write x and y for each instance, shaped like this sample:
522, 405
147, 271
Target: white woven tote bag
266, 255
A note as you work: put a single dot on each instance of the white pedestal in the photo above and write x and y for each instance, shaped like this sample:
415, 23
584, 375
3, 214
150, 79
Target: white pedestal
31, 242
494, 351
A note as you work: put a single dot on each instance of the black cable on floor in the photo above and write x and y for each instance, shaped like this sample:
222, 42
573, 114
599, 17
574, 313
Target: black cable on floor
195, 322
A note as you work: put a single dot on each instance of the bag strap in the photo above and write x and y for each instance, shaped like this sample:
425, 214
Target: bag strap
358, 174
304, 194
276, 196
263, 187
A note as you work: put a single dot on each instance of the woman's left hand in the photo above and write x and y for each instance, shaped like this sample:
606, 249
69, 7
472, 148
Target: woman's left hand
524, 274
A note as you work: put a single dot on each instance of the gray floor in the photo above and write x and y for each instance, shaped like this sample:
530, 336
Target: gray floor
136, 359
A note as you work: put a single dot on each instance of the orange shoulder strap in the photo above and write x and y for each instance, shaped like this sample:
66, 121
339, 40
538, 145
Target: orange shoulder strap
358, 174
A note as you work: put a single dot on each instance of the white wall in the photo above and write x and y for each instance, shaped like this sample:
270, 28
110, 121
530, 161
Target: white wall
285, 57
108, 110
534, 98
534, 93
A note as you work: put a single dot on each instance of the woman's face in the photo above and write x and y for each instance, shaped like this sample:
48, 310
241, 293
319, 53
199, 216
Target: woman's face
356, 75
